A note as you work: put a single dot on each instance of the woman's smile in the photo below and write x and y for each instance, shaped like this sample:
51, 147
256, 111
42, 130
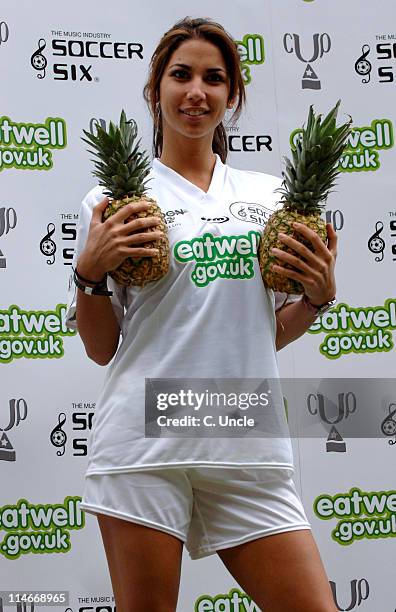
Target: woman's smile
194, 117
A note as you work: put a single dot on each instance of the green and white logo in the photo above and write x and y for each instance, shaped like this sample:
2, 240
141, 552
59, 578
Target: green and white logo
251, 51
39, 528
219, 256
234, 601
27, 146
363, 514
33, 334
356, 330
362, 153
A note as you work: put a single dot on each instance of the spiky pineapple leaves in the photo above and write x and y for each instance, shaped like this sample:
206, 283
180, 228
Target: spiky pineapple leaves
309, 177
120, 165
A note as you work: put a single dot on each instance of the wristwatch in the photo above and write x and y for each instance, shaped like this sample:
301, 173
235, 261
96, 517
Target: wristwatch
319, 310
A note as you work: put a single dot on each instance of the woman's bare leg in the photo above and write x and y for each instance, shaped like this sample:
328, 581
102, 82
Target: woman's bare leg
144, 565
282, 572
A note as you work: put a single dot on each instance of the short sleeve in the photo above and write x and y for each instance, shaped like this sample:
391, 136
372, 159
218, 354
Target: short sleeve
118, 299
282, 299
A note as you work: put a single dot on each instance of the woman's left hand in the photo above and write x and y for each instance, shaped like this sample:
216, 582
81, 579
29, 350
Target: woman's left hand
316, 272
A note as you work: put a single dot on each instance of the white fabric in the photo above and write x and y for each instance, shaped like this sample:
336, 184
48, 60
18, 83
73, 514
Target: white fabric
179, 327
204, 508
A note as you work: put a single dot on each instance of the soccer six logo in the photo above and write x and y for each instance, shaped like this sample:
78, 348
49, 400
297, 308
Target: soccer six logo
75, 55
382, 241
377, 60
68, 235
388, 425
81, 416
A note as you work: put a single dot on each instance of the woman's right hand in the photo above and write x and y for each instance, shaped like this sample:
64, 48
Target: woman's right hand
110, 242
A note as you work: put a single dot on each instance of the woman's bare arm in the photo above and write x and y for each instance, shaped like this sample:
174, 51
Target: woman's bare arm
108, 244
292, 321
97, 324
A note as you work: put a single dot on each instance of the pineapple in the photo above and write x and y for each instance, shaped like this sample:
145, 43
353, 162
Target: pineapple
307, 182
122, 168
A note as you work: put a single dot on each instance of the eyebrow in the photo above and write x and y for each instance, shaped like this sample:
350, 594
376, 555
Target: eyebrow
189, 68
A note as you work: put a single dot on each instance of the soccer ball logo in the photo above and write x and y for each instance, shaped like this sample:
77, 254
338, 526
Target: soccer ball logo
375, 243
38, 60
388, 425
362, 65
47, 245
58, 437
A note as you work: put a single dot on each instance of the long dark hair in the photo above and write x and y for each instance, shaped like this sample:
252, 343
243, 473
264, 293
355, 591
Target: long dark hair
190, 29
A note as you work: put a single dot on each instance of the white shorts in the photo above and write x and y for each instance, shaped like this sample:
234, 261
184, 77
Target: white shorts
207, 508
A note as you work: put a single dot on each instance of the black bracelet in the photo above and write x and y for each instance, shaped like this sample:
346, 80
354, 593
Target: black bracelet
99, 289
87, 280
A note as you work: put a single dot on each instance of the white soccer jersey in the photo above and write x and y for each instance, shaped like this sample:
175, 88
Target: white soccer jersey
209, 317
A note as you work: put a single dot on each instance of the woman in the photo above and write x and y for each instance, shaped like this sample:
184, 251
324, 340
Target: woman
234, 496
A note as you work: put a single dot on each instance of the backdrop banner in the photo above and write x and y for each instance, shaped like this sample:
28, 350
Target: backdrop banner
65, 68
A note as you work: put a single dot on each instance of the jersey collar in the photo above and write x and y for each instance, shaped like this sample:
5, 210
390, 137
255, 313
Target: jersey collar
215, 187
